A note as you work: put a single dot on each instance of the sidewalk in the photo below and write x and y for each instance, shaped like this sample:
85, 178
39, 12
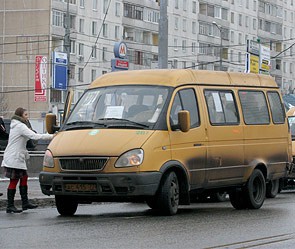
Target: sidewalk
34, 193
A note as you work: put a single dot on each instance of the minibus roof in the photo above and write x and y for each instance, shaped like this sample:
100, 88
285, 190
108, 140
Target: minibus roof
178, 77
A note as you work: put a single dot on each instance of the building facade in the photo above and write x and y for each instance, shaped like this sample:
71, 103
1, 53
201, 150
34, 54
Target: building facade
202, 34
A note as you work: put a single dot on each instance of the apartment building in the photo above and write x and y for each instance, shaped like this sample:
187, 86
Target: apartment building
202, 34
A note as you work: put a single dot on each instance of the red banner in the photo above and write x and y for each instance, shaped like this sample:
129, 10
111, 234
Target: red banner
40, 78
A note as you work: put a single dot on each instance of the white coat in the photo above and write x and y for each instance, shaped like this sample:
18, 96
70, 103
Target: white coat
16, 154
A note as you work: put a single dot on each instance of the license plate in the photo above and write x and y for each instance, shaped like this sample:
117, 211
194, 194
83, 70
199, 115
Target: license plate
80, 187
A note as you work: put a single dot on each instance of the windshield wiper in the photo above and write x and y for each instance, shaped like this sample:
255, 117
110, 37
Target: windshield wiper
80, 125
133, 123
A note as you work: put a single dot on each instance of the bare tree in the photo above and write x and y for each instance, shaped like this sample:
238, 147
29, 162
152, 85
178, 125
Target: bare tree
3, 105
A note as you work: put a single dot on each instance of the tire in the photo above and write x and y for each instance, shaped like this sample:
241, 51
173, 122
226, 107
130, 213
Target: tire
219, 196
168, 194
272, 188
152, 203
237, 199
66, 206
255, 190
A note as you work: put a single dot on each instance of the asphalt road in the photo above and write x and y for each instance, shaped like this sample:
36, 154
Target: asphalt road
134, 225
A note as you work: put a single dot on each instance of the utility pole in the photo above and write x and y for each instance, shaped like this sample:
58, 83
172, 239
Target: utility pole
67, 41
221, 49
163, 35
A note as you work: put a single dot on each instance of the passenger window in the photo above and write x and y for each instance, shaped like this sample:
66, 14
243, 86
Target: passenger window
221, 107
185, 100
276, 108
254, 107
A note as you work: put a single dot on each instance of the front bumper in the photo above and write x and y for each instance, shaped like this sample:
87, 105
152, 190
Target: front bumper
100, 185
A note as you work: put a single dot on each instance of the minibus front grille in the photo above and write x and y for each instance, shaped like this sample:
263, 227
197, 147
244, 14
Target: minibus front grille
82, 163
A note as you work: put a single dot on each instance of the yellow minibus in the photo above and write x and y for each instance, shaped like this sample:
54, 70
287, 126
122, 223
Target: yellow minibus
166, 136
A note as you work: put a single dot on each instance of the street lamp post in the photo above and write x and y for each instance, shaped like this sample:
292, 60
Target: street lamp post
220, 50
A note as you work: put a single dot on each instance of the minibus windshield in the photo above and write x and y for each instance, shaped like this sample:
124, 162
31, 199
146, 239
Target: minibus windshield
118, 106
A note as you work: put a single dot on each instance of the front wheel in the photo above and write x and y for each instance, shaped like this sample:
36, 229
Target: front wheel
168, 194
66, 206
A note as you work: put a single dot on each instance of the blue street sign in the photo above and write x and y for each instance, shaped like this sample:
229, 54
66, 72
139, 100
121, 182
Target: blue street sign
60, 77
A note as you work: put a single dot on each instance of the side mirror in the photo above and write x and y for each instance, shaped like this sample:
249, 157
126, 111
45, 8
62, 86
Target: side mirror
50, 121
184, 120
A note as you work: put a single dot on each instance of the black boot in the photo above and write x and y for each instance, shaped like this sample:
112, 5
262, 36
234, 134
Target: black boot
10, 202
23, 190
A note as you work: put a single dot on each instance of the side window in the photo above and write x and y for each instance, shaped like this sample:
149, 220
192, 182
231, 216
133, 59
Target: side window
221, 107
185, 100
254, 107
276, 108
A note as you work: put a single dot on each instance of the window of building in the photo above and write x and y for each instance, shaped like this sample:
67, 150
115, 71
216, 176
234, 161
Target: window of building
232, 17
104, 53
217, 12
81, 25
82, 3
221, 106
183, 45
72, 22
254, 107
138, 58
194, 27
254, 5
94, 4
175, 44
105, 30
176, 22
240, 38
210, 10
247, 21
132, 11
240, 19
117, 32
185, 100
193, 47
81, 49
80, 74
57, 18
117, 9
176, 4
194, 7
232, 36
72, 71
94, 52
105, 6
184, 2
94, 28
254, 24
224, 14
184, 25
93, 74
73, 47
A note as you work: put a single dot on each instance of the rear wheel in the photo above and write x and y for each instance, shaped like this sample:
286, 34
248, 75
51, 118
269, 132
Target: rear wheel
252, 195
66, 205
168, 195
218, 196
237, 199
272, 188
255, 190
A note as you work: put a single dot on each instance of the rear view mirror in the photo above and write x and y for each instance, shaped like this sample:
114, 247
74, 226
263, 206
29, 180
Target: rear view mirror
184, 120
50, 121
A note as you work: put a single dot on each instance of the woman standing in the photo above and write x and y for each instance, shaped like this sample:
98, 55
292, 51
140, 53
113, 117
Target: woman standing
15, 156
